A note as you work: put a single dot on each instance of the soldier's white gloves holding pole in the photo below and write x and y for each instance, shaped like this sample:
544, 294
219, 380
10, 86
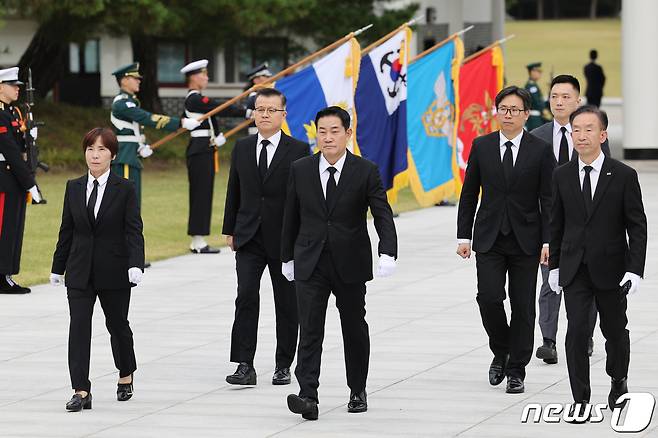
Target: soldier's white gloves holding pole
220, 140
190, 124
145, 151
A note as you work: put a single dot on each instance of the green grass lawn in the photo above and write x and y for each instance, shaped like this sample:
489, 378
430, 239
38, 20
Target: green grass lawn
563, 46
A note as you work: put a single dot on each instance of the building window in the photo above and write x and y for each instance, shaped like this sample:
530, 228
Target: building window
252, 52
172, 56
84, 57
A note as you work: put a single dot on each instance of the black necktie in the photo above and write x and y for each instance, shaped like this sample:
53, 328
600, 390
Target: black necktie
91, 204
331, 185
587, 190
262, 159
508, 166
564, 148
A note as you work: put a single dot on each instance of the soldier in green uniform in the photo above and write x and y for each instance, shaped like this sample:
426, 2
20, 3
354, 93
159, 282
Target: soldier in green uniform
128, 120
537, 117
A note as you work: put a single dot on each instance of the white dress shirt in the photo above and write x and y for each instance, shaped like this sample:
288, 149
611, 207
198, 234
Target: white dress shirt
102, 183
516, 144
271, 148
593, 174
324, 173
557, 139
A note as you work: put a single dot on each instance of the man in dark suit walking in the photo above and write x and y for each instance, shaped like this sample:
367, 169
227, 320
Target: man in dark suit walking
513, 170
595, 80
596, 202
564, 99
255, 198
326, 249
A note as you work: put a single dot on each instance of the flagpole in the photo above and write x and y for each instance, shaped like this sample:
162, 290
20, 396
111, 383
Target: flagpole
490, 46
255, 87
390, 34
441, 43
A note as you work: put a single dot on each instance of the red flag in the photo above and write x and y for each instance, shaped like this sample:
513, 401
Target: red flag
480, 79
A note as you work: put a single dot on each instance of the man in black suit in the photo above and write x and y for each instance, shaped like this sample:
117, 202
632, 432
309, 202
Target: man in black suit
255, 198
564, 99
596, 202
326, 249
513, 170
595, 80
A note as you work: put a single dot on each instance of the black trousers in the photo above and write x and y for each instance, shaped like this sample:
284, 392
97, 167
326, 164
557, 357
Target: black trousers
201, 175
250, 262
507, 259
115, 304
12, 225
312, 297
611, 304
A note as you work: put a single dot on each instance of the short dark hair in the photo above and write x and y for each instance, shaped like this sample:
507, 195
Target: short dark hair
269, 92
517, 91
591, 109
334, 111
593, 54
107, 137
566, 79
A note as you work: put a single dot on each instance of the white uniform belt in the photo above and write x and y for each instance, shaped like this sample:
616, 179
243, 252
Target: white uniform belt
535, 113
200, 133
129, 139
2, 158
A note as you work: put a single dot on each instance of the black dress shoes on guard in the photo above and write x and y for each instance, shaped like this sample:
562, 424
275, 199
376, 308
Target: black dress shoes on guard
78, 403
205, 250
281, 376
497, 370
245, 374
358, 402
303, 405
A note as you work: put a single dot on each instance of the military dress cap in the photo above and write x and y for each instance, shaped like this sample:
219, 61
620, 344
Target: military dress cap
261, 70
533, 65
128, 70
195, 67
10, 76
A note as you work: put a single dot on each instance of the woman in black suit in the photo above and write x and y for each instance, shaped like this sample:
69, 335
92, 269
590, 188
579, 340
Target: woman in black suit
101, 249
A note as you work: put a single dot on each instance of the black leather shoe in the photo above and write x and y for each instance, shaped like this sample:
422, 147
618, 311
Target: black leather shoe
11, 287
358, 402
547, 352
205, 250
147, 265
590, 347
281, 376
617, 388
78, 403
303, 405
125, 390
514, 385
579, 416
497, 370
245, 374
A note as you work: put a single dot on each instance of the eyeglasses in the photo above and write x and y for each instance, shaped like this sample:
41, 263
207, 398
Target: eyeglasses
513, 111
262, 110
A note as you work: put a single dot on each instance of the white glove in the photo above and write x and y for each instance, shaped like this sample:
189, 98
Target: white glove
554, 280
145, 151
56, 279
190, 124
288, 270
635, 282
34, 191
34, 132
220, 140
135, 275
249, 113
386, 266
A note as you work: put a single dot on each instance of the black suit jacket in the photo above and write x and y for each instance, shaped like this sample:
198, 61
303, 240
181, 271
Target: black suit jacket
600, 238
545, 132
102, 253
251, 204
595, 80
309, 224
527, 198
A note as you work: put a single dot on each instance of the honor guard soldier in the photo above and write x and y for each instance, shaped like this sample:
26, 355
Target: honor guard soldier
202, 156
128, 120
537, 112
256, 76
16, 181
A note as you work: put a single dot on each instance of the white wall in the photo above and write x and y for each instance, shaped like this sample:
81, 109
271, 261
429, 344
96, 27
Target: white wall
15, 36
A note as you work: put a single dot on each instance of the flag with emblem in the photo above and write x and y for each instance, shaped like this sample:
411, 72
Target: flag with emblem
328, 81
381, 106
431, 116
480, 78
